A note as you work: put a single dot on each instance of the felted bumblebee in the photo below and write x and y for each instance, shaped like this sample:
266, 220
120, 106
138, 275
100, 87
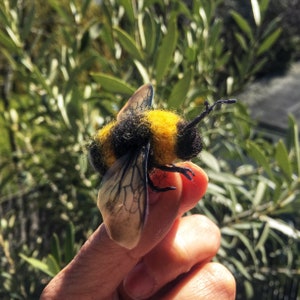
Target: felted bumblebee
126, 150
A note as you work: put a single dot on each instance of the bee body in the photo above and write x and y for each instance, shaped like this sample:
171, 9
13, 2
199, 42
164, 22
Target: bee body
127, 149
160, 128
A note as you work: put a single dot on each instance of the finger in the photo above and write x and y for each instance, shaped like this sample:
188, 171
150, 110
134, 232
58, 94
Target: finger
192, 190
203, 282
101, 259
166, 207
191, 240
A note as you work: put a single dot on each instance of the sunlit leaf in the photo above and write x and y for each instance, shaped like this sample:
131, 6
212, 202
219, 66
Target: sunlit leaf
50, 267
259, 193
224, 178
210, 161
281, 226
143, 71
256, 12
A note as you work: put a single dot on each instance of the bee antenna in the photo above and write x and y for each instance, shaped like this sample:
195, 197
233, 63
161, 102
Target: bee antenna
208, 109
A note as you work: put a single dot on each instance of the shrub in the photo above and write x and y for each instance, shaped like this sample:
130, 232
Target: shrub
67, 67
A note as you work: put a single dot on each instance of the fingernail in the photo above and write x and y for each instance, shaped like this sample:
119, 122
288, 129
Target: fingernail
138, 283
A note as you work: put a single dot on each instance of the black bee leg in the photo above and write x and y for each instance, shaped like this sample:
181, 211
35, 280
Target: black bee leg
159, 189
187, 172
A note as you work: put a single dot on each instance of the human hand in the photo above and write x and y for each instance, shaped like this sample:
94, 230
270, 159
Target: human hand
171, 261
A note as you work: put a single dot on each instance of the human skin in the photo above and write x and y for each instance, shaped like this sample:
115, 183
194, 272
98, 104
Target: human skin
171, 261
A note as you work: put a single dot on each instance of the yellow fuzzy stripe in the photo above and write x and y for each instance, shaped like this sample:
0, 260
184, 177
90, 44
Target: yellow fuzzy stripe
163, 126
103, 137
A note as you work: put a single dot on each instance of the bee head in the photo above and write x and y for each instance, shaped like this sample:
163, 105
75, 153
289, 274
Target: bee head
189, 142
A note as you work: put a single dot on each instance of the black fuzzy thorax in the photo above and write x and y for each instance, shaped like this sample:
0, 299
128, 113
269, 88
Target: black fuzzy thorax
189, 143
130, 135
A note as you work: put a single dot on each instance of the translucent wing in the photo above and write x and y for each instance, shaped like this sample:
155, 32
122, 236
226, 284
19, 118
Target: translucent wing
123, 198
140, 101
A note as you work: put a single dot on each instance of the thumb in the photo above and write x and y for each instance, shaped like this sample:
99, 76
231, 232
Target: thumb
101, 264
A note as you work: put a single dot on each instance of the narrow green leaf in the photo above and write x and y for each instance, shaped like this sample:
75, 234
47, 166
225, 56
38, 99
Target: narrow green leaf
249, 288
240, 267
113, 84
151, 33
270, 27
84, 6
52, 264
263, 237
259, 193
224, 177
215, 189
282, 226
294, 140
243, 24
292, 197
55, 248
60, 9
143, 71
210, 161
8, 43
243, 238
180, 90
257, 154
223, 60
69, 243
269, 41
282, 158
264, 4
166, 50
62, 108
26, 29
241, 40
106, 34
259, 65
128, 43
215, 33
40, 265
127, 4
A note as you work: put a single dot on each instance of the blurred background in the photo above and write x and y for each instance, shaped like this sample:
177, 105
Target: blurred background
67, 67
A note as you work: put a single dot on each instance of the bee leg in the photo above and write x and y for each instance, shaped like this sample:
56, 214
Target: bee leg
187, 172
159, 189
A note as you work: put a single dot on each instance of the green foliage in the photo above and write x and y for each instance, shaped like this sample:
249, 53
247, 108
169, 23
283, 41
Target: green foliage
68, 66
256, 208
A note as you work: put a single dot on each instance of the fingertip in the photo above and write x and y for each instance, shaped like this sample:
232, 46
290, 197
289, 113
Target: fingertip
193, 190
166, 206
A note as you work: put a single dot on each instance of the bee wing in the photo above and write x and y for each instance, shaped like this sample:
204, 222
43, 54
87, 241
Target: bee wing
123, 198
140, 101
